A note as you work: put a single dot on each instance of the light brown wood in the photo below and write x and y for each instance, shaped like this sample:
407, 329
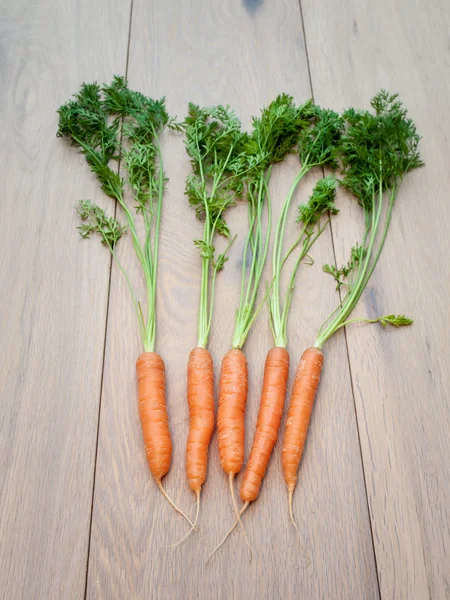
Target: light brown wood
53, 295
401, 378
210, 53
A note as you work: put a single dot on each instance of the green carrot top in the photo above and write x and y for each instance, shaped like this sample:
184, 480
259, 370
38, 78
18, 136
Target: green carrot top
109, 123
377, 151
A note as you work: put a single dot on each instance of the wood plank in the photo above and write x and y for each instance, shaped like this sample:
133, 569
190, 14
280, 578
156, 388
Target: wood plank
400, 378
222, 52
53, 294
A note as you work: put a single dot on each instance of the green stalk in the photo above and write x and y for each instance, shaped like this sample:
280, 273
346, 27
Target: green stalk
351, 282
213, 287
130, 287
203, 308
363, 276
103, 121
149, 342
307, 245
256, 241
246, 315
277, 263
251, 218
206, 307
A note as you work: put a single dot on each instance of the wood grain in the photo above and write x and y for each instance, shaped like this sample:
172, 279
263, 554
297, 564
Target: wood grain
401, 378
53, 294
242, 54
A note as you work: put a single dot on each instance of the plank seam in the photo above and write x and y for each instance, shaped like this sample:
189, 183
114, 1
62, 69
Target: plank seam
104, 343
345, 333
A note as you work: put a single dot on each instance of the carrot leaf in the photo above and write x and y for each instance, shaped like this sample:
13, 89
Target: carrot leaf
318, 143
109, 123
274, 135
395, 320
215, 145
96, 221
377, 150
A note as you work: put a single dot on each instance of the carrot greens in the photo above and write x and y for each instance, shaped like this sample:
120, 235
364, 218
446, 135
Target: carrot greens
317, 144
274, 134
215, 145
377, 151
113, 123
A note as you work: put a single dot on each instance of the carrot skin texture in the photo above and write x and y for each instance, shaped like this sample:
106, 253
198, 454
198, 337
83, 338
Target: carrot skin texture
276, 371
153, 413
299, 414
201, 415
231, 412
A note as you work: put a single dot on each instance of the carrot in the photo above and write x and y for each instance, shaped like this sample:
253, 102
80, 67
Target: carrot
316, 135
153, 413
231, 412
154, 420
376, 152
201, 421
276, 372
302, 399
201, 415
233, 390
316, 147
91, 120
215, 145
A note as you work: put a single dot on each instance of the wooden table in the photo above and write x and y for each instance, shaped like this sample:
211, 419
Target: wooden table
79, 512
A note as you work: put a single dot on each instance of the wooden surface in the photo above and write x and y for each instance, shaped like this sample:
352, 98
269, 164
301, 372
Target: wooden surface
401, 382
79, 513
53, 295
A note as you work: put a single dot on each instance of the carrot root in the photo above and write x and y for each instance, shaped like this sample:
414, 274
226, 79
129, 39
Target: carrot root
151, 378
194, 524
299, 414
201, 416
233, 389
276, 370
172, 503
241, 512
238, 516
291, 510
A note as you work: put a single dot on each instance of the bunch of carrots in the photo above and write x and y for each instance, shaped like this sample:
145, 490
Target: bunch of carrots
368, 153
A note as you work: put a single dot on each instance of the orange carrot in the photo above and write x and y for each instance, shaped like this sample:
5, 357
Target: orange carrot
233, 390
304, 391
201, 422
153, 413
201, 415
231, 412
276, 372
154, 420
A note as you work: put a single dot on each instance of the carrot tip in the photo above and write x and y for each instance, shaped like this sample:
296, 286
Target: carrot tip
291, 514
247, 541
291, 511
193, 525
241, 512
172, 503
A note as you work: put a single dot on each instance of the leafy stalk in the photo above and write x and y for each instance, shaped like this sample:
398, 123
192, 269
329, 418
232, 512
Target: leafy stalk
256, 246
274, 135
377, 151
215, 145
108, 123
317, 144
